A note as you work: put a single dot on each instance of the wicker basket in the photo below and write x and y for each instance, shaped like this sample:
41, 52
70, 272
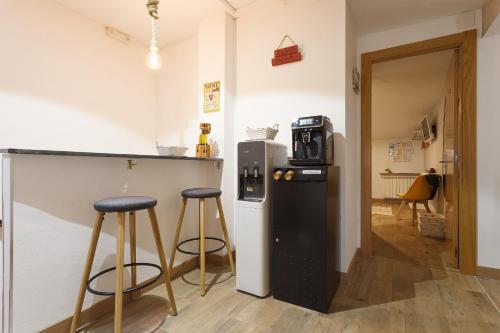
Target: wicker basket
431, 225
266, 133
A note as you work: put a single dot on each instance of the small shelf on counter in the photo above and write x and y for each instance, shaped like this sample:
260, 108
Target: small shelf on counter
92, 154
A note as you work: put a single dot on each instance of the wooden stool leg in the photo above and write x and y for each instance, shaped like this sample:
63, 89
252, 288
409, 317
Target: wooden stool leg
86, 271
133, 249
401, 206
226, 237
163, 261
202, 246
177, 234
120, 248
414, 213
426, 204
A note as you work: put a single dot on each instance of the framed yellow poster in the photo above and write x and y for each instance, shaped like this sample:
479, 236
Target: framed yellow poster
212, 97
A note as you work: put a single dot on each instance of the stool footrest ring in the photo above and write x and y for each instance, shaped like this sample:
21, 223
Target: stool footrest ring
128, 290
197, 239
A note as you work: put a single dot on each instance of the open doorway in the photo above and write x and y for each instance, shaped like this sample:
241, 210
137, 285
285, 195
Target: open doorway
414, 197
454, 161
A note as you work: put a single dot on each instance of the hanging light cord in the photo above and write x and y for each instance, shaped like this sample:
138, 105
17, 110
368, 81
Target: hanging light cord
154, 33
153, 8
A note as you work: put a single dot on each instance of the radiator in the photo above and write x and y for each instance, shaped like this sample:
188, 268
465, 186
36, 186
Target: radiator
395, 183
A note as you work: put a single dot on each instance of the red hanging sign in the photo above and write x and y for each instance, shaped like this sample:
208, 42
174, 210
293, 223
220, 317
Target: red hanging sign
286, 55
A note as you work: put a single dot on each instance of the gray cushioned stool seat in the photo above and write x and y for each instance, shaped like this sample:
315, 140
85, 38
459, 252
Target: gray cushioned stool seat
124, 204
198, 193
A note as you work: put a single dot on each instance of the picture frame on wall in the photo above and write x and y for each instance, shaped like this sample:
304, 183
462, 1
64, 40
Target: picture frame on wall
211, 97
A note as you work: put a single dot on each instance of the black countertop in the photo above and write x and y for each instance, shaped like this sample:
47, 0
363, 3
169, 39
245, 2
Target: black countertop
91, 154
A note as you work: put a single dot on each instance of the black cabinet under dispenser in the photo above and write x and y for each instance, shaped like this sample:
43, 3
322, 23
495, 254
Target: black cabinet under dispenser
305, 220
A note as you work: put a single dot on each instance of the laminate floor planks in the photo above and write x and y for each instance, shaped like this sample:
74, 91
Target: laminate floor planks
403, 288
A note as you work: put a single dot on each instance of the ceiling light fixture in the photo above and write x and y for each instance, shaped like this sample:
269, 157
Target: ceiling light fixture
153, 59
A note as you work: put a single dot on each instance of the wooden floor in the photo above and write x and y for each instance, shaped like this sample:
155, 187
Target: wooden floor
400, 240
398, 290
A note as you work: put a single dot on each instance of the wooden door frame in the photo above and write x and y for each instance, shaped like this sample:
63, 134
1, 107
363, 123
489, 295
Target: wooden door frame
466, 43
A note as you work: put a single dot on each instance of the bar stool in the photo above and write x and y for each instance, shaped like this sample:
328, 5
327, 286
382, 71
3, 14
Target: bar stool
201, 194
122, 205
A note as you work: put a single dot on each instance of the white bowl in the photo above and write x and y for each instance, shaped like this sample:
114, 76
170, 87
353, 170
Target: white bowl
172, 150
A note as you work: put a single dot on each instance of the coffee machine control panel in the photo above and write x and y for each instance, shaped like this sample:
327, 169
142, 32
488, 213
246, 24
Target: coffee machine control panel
308, 122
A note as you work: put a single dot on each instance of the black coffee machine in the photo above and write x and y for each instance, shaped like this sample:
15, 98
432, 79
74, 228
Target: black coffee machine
312, 141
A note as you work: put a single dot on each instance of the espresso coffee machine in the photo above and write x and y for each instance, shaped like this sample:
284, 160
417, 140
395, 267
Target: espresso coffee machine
256, 161
312, 141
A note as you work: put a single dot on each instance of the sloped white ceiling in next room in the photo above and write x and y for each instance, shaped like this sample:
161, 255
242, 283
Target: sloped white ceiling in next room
404, 91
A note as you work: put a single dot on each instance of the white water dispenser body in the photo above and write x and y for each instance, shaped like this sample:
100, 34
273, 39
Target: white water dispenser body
256, 162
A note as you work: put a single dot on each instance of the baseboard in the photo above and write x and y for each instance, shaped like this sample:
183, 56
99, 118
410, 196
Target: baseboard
344, 276
386, 200
488, 272
219, 259
107, 305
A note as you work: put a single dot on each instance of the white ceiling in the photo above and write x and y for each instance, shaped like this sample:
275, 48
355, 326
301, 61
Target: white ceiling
379, 15
237, 4
404, 91
178, 18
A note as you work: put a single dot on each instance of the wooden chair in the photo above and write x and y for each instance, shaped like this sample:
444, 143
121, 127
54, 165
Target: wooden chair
423, 189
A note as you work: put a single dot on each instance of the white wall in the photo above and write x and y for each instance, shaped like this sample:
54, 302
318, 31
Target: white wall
65, 85
353, 149
177, 87
207, 57
488, 166
382, 161
269, 95
211, 68
488, 163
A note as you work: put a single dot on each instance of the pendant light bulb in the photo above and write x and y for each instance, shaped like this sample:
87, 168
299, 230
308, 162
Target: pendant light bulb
153, 59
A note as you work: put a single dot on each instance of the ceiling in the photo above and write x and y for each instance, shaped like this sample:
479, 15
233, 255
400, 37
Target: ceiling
404, 91
178, 18
379, 15
237, 4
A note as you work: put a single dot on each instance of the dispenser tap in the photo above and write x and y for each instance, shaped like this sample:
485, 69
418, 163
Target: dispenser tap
256, 172
245, 172
306, 137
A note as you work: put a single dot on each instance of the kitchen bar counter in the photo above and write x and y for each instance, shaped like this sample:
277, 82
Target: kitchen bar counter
48, 215
92, 154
